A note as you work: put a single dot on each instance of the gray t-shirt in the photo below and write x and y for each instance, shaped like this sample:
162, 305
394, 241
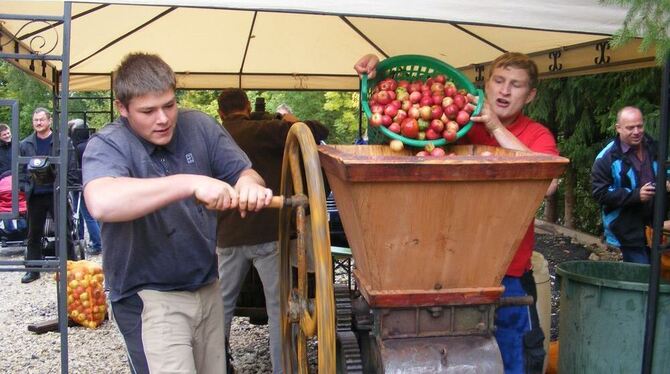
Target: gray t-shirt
172, 248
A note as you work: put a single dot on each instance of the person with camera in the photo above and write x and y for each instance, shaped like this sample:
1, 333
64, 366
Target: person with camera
40, 194
622, 182
253, 240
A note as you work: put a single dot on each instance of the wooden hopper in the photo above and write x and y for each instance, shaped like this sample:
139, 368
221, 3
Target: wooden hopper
431, 231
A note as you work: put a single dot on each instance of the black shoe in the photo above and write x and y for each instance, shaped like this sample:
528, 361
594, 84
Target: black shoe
30, 276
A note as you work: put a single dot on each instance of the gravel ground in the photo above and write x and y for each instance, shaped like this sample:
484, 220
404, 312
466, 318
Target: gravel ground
102, 350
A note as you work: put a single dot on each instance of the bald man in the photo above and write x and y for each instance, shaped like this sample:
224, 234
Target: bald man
622, 182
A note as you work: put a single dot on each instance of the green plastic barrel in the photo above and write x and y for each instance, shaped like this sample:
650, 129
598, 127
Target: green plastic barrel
602, 318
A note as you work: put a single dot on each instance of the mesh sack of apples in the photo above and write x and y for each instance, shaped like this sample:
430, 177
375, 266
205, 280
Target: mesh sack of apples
419, 101
86, 300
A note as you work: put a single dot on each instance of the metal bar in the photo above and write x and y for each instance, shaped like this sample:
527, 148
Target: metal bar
52, 159
481, 39
362, 35
61, 238
28, 56
121, 37
265, 74
14, 108
659, 217
89, 98
111, 98
246, 50
60, 22
360, 110
27, 17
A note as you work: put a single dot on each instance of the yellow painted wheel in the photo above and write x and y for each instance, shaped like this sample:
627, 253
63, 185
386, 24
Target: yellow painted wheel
304, 318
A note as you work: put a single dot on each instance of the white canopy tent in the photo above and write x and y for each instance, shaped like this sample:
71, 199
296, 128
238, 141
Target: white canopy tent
313, 44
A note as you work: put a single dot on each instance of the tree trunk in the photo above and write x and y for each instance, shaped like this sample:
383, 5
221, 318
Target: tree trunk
569, 183
551, 208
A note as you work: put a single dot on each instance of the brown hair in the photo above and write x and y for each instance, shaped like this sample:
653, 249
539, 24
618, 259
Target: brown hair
516, 60
140, 74
3, 127
232, 100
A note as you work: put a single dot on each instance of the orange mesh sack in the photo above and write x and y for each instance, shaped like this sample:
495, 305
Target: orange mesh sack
86, 301
665, 258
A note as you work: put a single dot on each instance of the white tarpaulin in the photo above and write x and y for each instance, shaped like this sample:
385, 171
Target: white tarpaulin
314, 44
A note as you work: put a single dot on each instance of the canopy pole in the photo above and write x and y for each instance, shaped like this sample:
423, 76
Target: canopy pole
659, 217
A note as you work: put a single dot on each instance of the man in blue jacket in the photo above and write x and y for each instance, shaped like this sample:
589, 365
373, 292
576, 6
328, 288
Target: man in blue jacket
622, 182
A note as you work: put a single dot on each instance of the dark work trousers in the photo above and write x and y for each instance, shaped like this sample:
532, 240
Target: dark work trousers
534, 339
38, 208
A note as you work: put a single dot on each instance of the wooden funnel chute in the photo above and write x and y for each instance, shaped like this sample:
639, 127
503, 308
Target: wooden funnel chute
435, 229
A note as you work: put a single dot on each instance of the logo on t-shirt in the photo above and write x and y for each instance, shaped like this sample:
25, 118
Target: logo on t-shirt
189, 158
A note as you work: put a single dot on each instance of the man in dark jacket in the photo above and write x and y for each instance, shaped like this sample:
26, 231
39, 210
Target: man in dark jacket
40, 196
242, 242
622, 182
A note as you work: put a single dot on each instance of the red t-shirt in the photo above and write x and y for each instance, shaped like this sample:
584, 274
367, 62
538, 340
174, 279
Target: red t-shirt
539, 139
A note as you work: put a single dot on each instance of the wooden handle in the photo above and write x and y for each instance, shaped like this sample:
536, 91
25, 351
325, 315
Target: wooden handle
279, 202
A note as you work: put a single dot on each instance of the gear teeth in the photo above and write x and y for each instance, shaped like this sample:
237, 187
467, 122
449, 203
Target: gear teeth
349, 353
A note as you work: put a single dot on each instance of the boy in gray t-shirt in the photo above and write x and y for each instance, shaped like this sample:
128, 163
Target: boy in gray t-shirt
156, 177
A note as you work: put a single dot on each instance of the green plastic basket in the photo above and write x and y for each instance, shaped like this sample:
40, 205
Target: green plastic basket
411, 68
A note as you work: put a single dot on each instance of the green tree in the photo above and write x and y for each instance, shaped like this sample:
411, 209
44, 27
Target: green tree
30, 94
649, 19
581, 111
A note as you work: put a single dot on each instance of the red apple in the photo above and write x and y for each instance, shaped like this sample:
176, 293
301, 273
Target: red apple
405, 105
401, 115
462, 117
415, 97
449, 136
451, 111
437, 87
388, 84
438, 152
448, 100
432, 134
451, 126
438, 98
375, 119
440, 78
383, 97
460, 101
409, 128
426, 101
437, 126
386, 120
401, 94
414, 112
391, 110
404, 84
426, 113
396, 103
377, 108
436, 111
449, 89
395, 127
